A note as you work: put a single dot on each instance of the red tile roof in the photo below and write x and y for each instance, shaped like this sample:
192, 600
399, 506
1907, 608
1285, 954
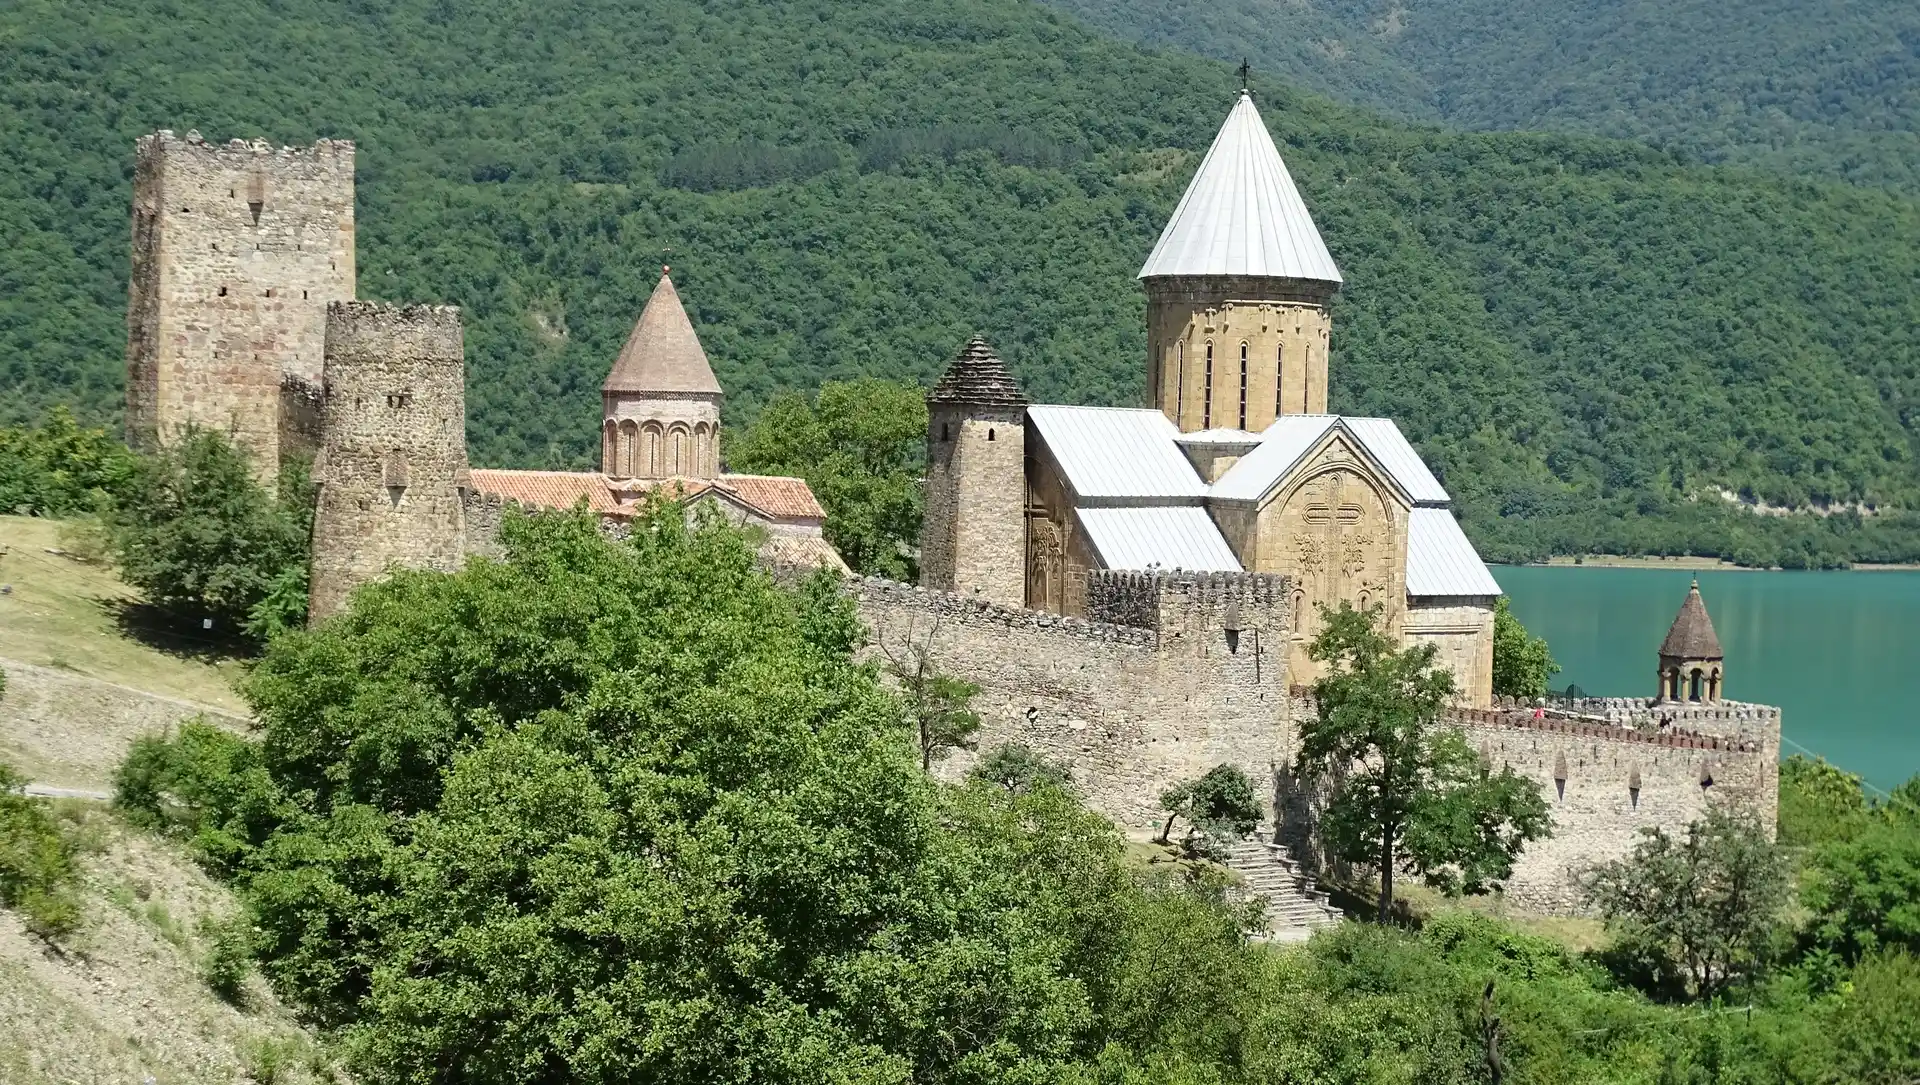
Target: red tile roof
777, 498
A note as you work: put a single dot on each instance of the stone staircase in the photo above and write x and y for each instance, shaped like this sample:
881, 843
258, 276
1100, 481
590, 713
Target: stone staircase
1296, 906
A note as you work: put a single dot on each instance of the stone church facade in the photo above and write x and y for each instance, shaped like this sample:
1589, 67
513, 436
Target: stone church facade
1237, 467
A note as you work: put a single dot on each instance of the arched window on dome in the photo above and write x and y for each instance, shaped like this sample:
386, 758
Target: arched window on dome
649, 457
1243, 384
629, 441
1279, 380
1206, 396
1180, 379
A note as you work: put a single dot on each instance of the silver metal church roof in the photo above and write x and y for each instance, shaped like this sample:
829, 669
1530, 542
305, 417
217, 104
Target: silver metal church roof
1113, 453
1167, 537
1241, 214
1291, 436
1440, 559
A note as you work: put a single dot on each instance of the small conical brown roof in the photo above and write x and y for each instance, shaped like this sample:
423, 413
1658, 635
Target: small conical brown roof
978, 376
663, 354
1692, 635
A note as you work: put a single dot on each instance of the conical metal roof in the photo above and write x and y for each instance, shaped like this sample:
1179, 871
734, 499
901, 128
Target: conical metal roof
1692, 636
1241, 214
662, 354
978, 376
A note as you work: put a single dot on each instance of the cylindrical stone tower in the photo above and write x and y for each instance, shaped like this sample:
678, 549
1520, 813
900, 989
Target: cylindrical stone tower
393, 455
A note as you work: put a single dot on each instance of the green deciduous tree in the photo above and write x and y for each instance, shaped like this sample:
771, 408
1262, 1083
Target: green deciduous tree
938, 704
60, 467
1220, 806
1865, 892
1819, 802
861, 445
1710, 899
200, 537
1406, 793
1522, 665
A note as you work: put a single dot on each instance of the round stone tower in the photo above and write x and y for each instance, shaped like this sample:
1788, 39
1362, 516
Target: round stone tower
1238, 291
662, 403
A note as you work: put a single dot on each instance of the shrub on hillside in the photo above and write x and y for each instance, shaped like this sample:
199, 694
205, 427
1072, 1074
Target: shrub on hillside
37, 870
202, 785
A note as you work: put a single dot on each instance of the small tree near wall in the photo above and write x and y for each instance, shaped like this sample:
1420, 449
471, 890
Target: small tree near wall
1407, 793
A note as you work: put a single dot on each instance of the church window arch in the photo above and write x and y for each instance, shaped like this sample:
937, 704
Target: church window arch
1696, 684
1180, 380
1206, 396
648, 457
629, 439
610, 447
702, 439
989, 433
679, 457
1243, 384
1279, 380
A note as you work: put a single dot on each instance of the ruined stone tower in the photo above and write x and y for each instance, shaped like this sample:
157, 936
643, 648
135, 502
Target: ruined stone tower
237, 249
662, 403
973, 538
1238, 290
395, 455
1690, 657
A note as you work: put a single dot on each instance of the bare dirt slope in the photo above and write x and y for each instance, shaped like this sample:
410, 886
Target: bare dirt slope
124, 999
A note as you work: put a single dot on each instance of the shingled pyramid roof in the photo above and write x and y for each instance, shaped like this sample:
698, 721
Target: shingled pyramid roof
663, 354
1241, 214
978, 376
1692, 635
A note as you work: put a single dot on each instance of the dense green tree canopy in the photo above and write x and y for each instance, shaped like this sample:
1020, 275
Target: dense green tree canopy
1822, 87
1589, 340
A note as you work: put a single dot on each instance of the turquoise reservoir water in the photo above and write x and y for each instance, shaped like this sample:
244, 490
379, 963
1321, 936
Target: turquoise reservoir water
1838, 651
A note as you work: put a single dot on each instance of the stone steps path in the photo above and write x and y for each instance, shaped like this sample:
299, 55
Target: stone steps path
1295, 905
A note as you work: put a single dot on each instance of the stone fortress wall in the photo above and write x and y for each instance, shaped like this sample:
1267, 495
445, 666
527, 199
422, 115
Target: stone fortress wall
237, 250
1176, 673
1608, 768
393, 469
1185, 672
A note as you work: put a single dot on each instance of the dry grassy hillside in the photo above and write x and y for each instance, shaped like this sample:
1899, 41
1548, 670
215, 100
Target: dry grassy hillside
85, 674
125, 999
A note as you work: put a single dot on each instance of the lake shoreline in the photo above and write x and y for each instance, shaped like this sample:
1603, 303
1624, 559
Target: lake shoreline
1621, 561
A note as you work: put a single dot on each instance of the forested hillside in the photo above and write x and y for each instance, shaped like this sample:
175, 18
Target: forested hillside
1820, 87
1589, 339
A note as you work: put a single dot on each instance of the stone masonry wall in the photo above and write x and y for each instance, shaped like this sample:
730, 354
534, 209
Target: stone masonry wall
393, 460
237, 249
974, 538
1603, 784
1130, 709
1285, 325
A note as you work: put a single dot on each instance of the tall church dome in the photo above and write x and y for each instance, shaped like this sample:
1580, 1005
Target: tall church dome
1238, 290
662, 403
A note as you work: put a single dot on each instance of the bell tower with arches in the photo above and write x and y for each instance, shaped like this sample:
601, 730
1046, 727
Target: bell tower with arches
662, 403
1691, 662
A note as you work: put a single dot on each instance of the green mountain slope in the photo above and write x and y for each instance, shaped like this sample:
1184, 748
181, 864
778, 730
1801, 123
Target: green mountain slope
1589, 339
1820, 87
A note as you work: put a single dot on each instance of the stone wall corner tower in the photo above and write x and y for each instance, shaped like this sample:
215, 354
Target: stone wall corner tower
393, 458
237, 250
973, 539
1238, 291
661, 403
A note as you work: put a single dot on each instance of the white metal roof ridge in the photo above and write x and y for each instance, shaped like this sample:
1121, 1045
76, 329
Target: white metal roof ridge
1291, 436
1163, 537
1441, 560
1108, 453
1241, 214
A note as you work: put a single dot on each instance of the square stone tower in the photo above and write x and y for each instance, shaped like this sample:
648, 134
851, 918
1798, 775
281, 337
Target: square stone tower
237, 249
973, 536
